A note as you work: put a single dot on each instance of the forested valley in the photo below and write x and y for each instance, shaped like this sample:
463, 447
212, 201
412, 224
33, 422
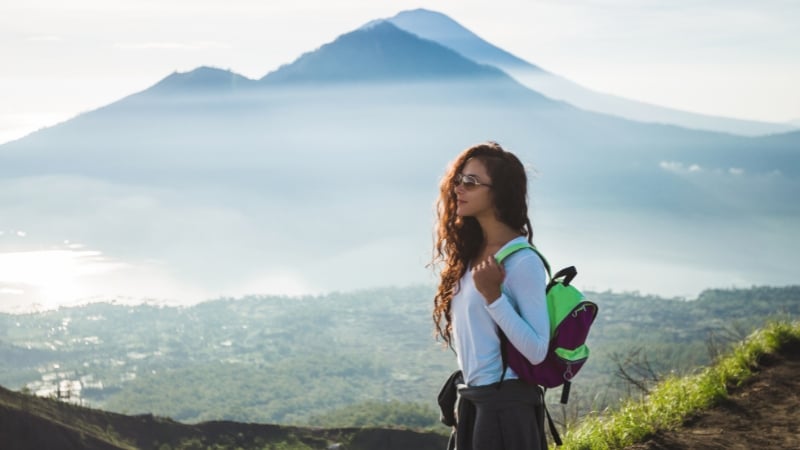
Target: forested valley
365, 358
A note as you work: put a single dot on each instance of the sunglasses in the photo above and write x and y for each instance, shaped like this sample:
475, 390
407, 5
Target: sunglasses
469, 182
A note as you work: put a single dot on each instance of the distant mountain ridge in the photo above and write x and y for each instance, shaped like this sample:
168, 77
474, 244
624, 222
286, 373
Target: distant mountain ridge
381, 51
440, 28
378, 52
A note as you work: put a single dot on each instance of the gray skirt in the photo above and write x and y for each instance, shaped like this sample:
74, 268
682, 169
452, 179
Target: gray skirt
508, 418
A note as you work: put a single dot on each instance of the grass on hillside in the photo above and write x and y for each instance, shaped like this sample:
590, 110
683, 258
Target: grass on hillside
676, 398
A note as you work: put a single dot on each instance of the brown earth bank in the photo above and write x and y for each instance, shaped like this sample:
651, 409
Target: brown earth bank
763, 413
28, 422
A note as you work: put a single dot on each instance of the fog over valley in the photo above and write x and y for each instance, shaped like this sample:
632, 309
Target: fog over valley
323, 174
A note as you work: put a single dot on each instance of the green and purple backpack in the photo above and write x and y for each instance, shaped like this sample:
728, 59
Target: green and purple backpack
571, 317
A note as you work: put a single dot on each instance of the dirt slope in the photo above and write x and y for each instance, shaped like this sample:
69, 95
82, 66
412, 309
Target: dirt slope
763, 413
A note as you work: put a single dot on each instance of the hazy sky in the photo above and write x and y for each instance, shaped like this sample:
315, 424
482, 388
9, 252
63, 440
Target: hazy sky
723, 57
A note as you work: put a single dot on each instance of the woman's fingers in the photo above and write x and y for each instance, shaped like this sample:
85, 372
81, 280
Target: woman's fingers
488, 276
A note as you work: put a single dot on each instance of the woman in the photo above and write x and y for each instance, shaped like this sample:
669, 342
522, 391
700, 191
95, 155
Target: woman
482, 207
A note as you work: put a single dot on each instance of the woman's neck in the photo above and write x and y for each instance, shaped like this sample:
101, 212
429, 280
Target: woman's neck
496, 233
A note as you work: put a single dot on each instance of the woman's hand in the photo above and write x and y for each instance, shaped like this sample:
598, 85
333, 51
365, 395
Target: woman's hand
488, 275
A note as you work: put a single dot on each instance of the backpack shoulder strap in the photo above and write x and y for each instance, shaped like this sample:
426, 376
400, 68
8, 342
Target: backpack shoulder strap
501, 256
511, 249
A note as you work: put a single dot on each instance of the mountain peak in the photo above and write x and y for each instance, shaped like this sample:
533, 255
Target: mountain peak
204, 78
380, 51
440, 28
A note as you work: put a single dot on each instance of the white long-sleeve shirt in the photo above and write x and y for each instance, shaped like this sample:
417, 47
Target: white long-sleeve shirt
521, 312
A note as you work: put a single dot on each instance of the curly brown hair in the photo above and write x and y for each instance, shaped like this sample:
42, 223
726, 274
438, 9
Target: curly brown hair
459, 239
